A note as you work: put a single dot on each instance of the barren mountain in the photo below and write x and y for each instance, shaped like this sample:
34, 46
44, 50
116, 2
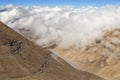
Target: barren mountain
101, 58
20, 59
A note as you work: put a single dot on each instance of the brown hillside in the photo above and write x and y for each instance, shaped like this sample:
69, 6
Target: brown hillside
20, 59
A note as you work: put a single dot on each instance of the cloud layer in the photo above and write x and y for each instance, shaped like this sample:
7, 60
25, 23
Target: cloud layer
64, 26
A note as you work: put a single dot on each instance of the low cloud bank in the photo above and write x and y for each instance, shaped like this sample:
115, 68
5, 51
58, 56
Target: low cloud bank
64, 26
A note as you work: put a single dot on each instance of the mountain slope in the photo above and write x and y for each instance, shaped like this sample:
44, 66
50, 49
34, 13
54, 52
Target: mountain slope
101, 58
20, 59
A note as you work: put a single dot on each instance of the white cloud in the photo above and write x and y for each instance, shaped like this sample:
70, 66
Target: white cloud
64, 25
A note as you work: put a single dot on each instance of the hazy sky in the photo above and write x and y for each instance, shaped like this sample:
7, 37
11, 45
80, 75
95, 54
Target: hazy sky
61, 2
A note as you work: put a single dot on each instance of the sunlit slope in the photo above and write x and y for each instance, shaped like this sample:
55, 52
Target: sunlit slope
101, 58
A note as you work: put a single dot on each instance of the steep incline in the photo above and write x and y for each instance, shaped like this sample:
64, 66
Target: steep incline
20, 59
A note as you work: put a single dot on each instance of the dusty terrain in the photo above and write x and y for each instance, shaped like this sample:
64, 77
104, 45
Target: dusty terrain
101, 58
20, 59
